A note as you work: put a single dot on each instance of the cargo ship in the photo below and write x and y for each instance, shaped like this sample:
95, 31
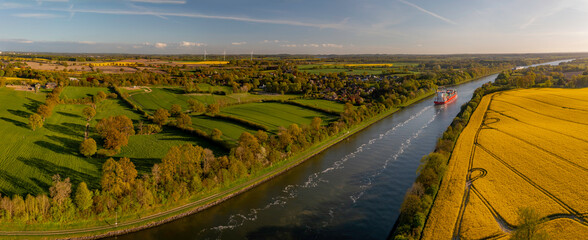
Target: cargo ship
445, 96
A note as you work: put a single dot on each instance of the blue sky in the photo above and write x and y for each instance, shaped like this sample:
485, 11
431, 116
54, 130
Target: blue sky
294, 26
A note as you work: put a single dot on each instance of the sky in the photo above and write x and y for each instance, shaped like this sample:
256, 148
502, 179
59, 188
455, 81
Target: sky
294, 26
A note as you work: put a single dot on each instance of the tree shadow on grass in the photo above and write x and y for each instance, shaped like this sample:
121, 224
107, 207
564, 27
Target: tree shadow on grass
174, 90
77, 128
17, 183
15, 122
69, 114
19, 113
144, 165
33, 105
51, 169
64, 129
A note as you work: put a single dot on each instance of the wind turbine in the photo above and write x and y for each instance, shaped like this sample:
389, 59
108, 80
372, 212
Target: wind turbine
204, 54
252, 55
224, 54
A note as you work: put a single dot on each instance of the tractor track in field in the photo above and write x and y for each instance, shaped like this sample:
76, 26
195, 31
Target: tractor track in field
546, 129
558, 118
547, 103
466, 196
542, 149
505, 226
537, 186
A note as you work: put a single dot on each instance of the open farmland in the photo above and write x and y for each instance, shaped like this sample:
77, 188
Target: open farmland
231, 131
71, 92
322, 104
521, 149
274, 115
164, 97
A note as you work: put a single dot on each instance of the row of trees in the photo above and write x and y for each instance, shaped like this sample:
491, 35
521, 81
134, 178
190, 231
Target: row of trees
45, 110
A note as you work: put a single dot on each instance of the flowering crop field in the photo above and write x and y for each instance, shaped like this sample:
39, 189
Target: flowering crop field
522, 148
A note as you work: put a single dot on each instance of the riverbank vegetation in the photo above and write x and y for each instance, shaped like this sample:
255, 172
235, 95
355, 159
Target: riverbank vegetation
522, 118
161, 145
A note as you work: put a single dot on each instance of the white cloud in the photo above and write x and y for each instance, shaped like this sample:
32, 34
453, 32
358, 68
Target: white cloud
339, 25
25, 41
274, 41
238, 43
332, 45
36, 15
161, 1
289, 45
311, 45
427, 12
191, 44
160, 45
41, 1
87, 42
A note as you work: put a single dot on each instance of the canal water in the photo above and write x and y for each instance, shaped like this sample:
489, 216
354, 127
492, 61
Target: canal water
352, 190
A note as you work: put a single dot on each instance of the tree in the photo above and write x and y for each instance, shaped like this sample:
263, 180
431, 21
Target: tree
119, 123
175, 110
60, 190
183, 121
115, 139
88, 147
261, 136
316, 123
83, 198
196, 106
89, 113
529, 228
115, 131
160, 116
35, 121
45, 111
213, 109
99, 97
216, 134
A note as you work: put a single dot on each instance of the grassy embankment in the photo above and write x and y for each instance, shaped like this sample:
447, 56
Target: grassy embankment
196, 203
521, 148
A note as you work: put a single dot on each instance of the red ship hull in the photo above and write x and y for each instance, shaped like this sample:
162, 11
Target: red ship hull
451, 99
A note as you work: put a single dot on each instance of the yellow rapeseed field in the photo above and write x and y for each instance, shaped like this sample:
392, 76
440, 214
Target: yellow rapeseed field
522, 148
121, 64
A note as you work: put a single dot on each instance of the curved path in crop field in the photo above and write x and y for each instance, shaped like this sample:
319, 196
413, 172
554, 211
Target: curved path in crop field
505, 226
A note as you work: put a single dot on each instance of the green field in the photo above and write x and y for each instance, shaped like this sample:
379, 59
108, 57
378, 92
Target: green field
231, 131
167, 96
323, 104
82, 92
274, 115
29, 158
352, 70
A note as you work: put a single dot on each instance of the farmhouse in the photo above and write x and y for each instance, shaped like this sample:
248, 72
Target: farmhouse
50, 85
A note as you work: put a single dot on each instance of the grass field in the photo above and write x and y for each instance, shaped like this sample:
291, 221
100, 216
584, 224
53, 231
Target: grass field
274, 115
29, 158
231, 131
323, 104
82, 92
523, 148
164, 97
